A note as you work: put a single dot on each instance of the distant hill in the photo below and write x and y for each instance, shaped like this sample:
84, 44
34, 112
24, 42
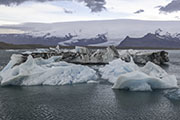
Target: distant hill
151, 41
47, 40
21, 39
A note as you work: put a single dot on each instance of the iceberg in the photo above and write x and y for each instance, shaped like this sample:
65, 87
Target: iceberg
37, 71
27, 71
173, 94
139, 81
134, 81
131, 77
16, 59
116, 68
93, 82
166, 80
86, 55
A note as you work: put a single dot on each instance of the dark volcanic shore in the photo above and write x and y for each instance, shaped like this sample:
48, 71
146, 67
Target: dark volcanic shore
25, 46
4, 45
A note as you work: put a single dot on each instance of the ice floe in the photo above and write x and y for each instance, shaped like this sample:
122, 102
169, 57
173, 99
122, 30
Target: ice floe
93, 82
116, 68
173, 94
123, 75
129, 76
44, 72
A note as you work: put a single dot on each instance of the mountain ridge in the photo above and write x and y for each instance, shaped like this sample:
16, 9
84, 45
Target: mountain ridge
150, 40
87, 33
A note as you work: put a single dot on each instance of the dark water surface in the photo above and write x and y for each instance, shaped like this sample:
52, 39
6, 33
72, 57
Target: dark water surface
87, 101
84, 102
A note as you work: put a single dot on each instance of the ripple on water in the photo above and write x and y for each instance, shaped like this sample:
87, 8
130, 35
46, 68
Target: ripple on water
85, 101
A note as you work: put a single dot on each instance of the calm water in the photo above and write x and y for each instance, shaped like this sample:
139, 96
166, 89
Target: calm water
87, 101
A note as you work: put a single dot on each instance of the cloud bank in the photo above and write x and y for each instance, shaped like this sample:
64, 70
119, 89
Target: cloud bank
94, 5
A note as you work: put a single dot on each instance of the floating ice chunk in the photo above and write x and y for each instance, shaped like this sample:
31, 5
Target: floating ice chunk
46, 72
130, 76
116, 68
173, 94
128, 52
153, 70
139, 81
38, 50
80, 49
41, 50
17, 74
93, 82
15, 60
52, 60
13, 50
27, 52
133, 81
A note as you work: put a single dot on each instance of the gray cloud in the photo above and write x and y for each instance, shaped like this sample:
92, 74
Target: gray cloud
68, 11
171, 7
139, 11
17, 2
93, 5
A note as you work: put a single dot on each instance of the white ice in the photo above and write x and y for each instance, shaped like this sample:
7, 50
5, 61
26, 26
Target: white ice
129, 76
116, 68
93, 82
39, 50
173, 94
49, 72
45, 72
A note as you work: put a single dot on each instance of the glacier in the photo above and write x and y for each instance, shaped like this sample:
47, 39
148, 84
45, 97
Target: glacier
131, 77
44, 72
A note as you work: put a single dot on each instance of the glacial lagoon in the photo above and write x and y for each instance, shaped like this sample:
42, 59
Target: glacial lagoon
87, 101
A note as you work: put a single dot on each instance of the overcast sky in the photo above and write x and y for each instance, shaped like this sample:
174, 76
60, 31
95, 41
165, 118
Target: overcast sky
47, 11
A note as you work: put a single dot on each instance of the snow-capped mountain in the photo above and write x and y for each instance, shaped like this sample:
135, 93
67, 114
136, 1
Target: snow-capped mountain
164, 34
30, 39
150, 40
92, 33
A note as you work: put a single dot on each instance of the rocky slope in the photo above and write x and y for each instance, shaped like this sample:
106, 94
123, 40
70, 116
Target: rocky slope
151, 41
